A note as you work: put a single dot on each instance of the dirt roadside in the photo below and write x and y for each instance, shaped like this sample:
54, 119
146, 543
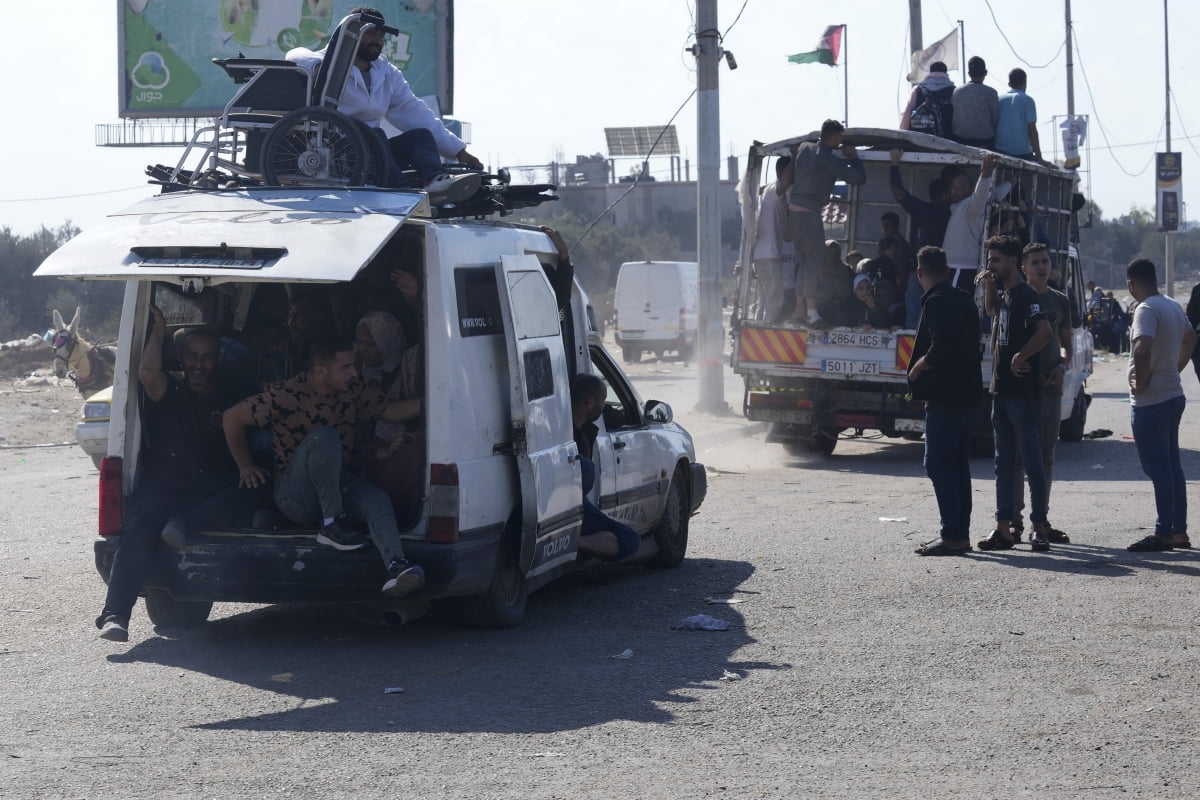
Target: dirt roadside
35, 407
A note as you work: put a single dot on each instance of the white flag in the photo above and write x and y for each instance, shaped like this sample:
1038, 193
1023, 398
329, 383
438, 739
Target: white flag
944, 50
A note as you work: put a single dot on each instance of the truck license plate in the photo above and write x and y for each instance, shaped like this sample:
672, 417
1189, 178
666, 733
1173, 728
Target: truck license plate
842, 366
857, 338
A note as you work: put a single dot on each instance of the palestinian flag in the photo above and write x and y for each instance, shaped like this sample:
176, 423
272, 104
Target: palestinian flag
828, 48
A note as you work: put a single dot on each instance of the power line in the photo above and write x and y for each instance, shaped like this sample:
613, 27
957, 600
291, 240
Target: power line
72, 196
1179, 117
1100, 124
1004, 36
735, 19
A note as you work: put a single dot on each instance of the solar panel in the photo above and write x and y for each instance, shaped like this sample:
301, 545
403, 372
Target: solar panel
636, 142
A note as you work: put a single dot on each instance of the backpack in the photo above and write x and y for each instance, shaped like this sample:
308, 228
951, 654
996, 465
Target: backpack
933, 113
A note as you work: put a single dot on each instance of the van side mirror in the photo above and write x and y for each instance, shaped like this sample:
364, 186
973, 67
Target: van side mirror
658, 411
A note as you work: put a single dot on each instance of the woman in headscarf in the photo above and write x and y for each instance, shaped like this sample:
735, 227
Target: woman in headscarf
390, 456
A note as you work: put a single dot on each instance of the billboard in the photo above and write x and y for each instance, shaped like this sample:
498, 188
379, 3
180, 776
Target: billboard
165, 47
1169, 185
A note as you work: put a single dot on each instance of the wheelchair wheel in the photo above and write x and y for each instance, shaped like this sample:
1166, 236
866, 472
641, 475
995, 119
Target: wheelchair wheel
314, 146
379, 159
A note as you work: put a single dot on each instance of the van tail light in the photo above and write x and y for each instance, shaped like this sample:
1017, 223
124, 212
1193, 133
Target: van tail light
443, 503
110, 496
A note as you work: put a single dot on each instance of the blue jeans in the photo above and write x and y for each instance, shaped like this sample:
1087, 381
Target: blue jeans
1156, 434
1016, 423
314, 486
1050, 424
595, 520
948, 465
415, 150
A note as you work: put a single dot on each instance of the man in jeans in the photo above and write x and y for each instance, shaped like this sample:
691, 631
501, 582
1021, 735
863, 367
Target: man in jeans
1019, 332
187, 479
815, 168
312, 419
1162, 343
1051, 367
945, 374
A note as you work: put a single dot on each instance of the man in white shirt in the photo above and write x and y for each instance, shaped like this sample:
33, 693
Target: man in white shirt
1162, 343
775, 259
376, 90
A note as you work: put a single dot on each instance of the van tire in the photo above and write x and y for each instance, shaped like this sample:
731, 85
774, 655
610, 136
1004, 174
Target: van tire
167, 612
631, 355
502, 604
1071, 429
671, 533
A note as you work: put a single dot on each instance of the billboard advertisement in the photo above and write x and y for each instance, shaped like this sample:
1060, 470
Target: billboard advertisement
166, 47
1169, 185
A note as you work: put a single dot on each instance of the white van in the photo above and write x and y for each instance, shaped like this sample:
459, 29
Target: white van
501, 483
656, 306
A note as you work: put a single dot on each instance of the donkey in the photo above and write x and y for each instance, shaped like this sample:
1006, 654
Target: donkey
89, 366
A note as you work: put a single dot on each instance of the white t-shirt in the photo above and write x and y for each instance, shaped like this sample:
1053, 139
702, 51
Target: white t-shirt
1162, 319
772, 220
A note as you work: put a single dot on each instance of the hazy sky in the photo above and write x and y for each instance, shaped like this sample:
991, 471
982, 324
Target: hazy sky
543, 78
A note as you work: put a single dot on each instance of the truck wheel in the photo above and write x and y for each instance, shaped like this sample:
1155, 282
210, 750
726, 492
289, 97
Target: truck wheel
1071, 429
671, 534
632, 355
502, 605
167, 612
818, 445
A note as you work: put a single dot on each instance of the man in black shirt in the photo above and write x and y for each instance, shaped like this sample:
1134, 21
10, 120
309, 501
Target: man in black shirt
1019, 332
188, 479
601, 536
945, 373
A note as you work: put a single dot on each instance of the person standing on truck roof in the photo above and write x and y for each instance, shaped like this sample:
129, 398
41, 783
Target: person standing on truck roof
930, 106
377, 90
1016, 125
945, 374
312, 417
1051, 367
1019, 332
1163, 341
964, 231
774, 258
815, 168
188, 480
976, 108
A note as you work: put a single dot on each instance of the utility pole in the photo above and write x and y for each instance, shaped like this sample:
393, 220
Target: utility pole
708, 209
1070, 66
914, 26
1170, 240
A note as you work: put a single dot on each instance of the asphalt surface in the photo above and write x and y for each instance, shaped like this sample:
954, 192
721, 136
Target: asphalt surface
852, 668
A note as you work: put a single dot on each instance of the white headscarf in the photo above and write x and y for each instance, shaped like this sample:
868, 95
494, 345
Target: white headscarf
388, 336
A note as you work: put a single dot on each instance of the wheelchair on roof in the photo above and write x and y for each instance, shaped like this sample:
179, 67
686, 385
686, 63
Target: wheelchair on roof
282, 128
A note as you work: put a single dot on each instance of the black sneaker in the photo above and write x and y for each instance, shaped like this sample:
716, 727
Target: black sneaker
402, 578
340, 537
113, 628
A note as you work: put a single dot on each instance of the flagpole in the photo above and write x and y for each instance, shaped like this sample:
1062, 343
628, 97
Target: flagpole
962, 40
846, 80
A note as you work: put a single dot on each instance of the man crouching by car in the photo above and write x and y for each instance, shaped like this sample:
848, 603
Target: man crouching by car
188, 480
312, 418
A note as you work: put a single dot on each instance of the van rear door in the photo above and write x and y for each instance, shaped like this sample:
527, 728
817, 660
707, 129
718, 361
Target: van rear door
542, 430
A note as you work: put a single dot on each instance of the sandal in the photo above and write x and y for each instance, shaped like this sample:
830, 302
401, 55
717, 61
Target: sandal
1056, 536
996, 541
942, 548
1151, 544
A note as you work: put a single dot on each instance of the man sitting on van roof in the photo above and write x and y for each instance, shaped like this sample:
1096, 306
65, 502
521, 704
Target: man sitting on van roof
312, 419
377, 90
188, 480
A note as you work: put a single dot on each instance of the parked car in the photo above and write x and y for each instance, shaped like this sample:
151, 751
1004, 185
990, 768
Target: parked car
501, 475
92, 429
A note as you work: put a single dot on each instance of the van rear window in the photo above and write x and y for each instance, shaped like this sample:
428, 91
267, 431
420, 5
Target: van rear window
478, 302
539, 374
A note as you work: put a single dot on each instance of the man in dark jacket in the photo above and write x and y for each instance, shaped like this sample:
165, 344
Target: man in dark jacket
945, 373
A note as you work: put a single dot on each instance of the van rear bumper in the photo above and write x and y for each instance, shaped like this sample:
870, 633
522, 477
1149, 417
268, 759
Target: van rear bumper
290, 567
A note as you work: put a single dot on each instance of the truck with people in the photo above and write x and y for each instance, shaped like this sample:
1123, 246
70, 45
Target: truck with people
817, 380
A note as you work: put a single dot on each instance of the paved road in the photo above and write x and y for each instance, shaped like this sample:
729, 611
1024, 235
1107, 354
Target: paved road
854, 668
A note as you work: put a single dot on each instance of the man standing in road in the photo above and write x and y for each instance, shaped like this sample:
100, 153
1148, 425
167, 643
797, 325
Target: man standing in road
976, 108
188, 480
945, 374
1162, 342
1051, 366
1016, 125
1019, 332
377, 90
815, 168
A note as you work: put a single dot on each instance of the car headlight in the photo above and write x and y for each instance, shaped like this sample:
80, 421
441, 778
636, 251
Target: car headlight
97, 410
